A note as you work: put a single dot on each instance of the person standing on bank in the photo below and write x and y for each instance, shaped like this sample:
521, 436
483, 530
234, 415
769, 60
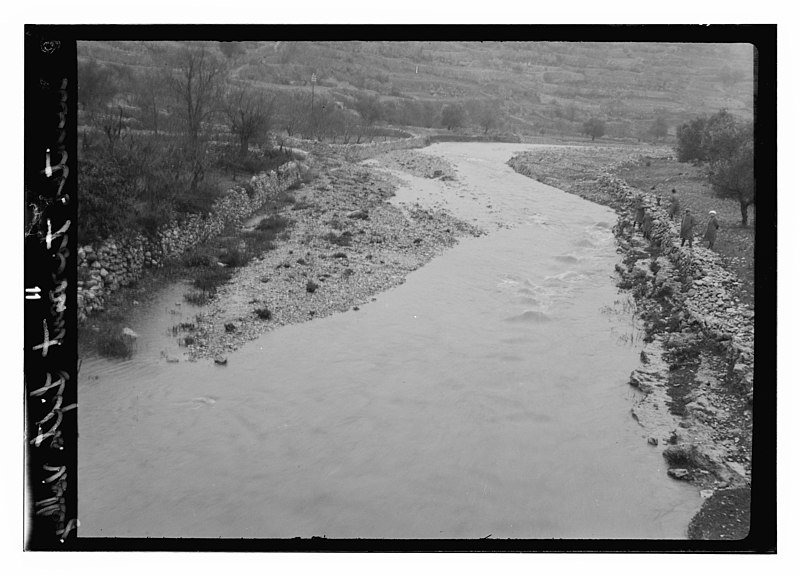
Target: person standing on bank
674, 205
647, 224
687, 227
711, 229
638, 217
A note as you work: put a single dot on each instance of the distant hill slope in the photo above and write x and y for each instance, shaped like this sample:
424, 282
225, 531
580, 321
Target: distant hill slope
554, 86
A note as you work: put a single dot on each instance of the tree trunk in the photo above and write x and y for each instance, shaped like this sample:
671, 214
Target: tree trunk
743, 208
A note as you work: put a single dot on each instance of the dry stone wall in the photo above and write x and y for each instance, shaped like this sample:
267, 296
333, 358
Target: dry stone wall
120, 261
703, 289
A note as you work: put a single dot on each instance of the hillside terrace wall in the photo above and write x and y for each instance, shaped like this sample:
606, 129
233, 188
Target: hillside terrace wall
119, 261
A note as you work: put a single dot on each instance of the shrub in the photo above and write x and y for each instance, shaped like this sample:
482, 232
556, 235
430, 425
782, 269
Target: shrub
263, 313
200, 258
199, 201
235, 258
311, 286
112, 343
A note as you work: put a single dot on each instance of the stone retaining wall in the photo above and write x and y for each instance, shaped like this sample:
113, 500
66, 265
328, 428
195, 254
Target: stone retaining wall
700, 284
120, 261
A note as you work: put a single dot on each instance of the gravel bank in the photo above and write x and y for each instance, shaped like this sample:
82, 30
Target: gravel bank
346, 244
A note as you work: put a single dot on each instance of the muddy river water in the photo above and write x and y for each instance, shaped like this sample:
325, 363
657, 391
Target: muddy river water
486, 395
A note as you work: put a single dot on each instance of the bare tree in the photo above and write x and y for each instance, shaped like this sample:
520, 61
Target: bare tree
151, 96
294, 110
249, 113
198, 84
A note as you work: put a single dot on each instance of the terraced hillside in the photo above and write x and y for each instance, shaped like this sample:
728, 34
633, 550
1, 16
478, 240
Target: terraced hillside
536, 87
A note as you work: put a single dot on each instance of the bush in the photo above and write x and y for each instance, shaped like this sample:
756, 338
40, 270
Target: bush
311, 286
201, 258
199, 201
235, 258
263, 313
112, 343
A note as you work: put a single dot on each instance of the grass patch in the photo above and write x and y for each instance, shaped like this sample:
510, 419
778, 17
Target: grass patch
196, 298
210, 278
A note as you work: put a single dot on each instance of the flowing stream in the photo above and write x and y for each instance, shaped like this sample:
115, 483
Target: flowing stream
487, 395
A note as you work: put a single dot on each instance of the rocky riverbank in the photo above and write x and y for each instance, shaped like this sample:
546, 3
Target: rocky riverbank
695, 381
345, 243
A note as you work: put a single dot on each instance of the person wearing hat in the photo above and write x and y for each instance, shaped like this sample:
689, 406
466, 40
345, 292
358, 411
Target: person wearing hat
674, 205
711, 229
687, 227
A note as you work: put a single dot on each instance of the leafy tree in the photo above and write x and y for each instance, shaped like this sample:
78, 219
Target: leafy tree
690, 141
594, 127
659, 128
488, 117
369, 107
727, 146
732, 176
250, 114
453, 116
721, 136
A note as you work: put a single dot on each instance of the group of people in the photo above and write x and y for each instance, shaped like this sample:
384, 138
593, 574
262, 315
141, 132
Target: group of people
644, 220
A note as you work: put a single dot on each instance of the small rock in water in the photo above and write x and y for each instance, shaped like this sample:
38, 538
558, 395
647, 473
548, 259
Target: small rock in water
705, 494
221, 360
652, 441
128, 332
678, 473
